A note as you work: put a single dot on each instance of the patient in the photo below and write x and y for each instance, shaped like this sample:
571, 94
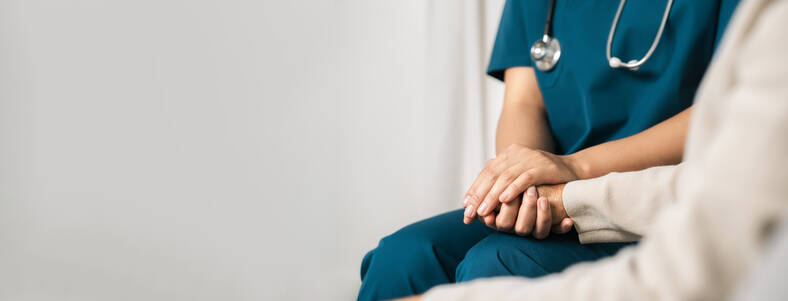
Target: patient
703, 222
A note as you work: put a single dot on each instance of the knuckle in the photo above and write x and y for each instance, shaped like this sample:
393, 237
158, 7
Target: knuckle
489, 163
478, 201
504, 227
496, 170
474, 198
504, 223
505, 190
517, 185
527, 176
507, 176
487, 172
521, 228
545, 228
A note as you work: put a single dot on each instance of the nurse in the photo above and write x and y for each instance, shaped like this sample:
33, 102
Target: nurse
580, 118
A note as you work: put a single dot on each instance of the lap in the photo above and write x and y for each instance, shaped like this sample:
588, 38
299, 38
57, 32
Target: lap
445, 231
501, 254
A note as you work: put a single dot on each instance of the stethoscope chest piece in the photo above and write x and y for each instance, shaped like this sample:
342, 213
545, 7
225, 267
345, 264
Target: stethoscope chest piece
545, 53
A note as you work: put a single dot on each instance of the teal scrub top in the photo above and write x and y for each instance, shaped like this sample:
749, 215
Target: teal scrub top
587, 102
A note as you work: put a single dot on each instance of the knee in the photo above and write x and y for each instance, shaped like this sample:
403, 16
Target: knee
405, 243
494, 257
481, 261
365, 263
404, 250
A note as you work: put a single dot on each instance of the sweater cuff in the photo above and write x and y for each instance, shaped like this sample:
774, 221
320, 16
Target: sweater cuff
585, 202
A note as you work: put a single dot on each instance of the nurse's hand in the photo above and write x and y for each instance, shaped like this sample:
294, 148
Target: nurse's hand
534, 216
510, 173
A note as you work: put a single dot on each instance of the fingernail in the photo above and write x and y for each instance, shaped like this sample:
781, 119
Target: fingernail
531, 191
543, 203
465, 201
567, 226
504, 196
469, 211
482, 208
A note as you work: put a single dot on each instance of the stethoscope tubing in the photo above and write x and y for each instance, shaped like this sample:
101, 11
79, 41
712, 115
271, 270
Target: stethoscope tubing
542, 46
634, 65
548, 25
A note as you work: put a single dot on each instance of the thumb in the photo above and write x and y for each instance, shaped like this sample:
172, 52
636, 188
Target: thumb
564, 226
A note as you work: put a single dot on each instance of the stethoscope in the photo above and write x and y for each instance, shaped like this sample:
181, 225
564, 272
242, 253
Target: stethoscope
546, 52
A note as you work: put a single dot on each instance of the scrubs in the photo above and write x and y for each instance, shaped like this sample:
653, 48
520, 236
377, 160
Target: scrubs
587, 103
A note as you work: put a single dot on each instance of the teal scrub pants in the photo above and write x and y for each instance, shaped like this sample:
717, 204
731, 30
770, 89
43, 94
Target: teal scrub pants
443, 250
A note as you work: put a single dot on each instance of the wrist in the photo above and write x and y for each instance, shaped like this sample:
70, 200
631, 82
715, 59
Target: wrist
555, 196
559, 203
578, 164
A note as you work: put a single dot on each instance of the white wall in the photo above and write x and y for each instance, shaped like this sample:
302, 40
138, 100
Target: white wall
229, 149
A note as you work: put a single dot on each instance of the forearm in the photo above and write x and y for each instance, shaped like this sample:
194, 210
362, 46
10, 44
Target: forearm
620, 207
662, 144
523, 119
524, 125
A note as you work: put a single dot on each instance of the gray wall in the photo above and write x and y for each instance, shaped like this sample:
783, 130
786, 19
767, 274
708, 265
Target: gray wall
214, 150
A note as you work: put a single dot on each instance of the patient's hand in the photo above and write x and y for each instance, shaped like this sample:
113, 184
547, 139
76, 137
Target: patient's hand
539, 211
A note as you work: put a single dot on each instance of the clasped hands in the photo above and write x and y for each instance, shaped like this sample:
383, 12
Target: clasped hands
520, 191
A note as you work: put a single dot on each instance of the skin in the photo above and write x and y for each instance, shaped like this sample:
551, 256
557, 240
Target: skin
523, 121
524, 159
521, 188
543, 212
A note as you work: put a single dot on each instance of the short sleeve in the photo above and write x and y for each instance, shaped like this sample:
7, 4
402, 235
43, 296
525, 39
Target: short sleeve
724, 15
511, 46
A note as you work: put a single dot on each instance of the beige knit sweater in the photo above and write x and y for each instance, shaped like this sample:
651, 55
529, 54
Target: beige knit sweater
703, 222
